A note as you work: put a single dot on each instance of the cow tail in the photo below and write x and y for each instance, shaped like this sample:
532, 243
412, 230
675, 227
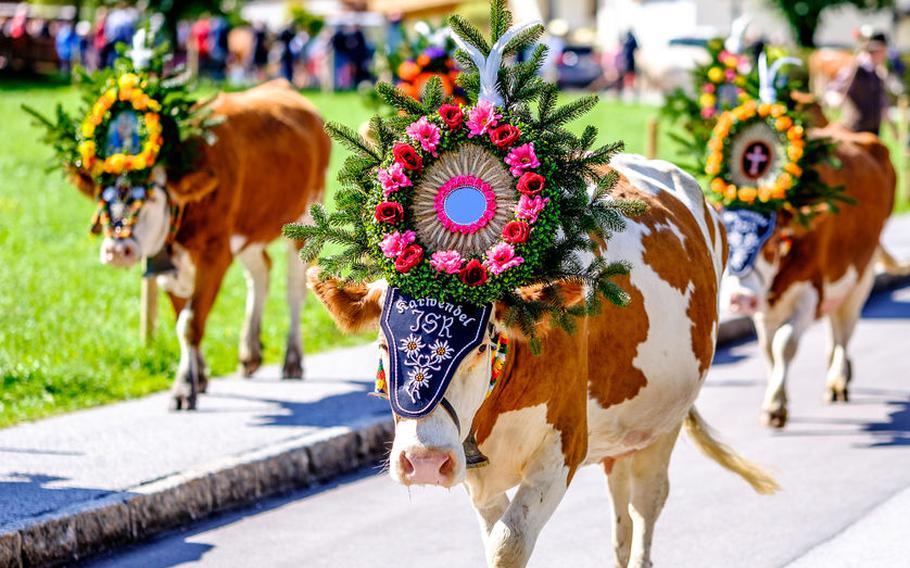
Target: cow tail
890, 264
703, 438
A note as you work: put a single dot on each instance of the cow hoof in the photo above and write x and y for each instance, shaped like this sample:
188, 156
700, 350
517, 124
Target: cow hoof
774, 418
247, 368
835, 395
181, 402
293, 367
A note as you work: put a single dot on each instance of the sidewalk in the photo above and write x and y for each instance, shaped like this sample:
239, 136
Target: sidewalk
81, 483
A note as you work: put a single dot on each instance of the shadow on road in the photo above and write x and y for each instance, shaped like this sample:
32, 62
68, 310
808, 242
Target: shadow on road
24, 495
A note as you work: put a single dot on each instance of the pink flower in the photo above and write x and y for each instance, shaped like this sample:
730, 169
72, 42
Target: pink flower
482, 118
393, 178
448, 261
522, 158
530, 207
707, 112
730, 74
394, 243
501, 258
709, 88
426, 133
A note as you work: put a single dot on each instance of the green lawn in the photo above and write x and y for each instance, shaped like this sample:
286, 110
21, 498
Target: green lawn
69, 326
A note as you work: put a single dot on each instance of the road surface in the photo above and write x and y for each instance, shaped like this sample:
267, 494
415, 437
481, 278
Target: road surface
845, 472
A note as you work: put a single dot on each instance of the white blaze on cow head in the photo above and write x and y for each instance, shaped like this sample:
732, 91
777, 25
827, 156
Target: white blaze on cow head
428, 449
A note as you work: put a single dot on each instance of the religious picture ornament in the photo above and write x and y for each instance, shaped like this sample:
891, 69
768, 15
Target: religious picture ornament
760, 157
135, 117
465, 203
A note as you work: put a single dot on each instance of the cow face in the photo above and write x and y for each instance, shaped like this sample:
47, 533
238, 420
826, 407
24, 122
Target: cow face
756, 246
141, 210
428, 448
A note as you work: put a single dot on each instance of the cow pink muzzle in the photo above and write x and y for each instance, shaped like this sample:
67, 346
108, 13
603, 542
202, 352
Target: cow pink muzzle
122, 253
427, 466
743, 302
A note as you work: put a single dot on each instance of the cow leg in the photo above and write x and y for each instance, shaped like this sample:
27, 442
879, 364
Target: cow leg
650, 486
296, 294
619, 481
178, 303
842, 324
782, 342
256, 265
191, 327
513, 536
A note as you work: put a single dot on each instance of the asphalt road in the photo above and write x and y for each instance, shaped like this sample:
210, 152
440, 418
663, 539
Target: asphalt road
845, 472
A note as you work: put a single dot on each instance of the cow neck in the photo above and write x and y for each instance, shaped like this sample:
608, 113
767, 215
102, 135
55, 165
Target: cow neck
473, 456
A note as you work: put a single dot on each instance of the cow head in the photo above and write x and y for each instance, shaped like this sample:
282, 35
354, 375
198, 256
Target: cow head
136, 219
758, 244
430, 430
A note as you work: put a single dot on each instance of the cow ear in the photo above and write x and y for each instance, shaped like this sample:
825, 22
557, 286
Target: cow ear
83, 182
567, 294
191, 187
809, 106
354, 306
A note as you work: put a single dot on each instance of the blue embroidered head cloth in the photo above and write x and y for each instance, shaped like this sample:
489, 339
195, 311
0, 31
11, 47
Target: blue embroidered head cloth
747, 233
427, 341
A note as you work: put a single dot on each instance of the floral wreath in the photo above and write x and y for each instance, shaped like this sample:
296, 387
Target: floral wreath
126, 95
467, 203
722, 82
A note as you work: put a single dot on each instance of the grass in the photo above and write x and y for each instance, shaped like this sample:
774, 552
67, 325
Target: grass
69, 326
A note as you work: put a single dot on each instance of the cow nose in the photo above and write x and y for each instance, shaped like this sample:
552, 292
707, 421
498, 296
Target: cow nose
120, 252
743, 303
426, 466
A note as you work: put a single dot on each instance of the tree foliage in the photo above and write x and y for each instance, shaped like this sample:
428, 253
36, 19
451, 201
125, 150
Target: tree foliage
804, 16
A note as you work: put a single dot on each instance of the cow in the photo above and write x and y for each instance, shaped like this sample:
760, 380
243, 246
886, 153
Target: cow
824, 270
267, 165
615, 393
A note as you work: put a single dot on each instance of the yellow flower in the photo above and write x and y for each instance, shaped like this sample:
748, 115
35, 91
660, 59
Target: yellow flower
153, 105
783, 123
730, 61
97, 168
778, 110
730, 192
88, 129
138, 100
712, 168
87, 151
778, 192
139, 162
127, 81
795, 153
109, 97
764, 194
125, 94
715, 74
707, 100
114, 164
747, 194
785, 181
793, 169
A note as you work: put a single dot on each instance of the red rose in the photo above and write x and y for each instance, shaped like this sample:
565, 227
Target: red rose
530, 183
389, 212
409, 258
504, 136
407, 157
451, 115
474, 273
516, 232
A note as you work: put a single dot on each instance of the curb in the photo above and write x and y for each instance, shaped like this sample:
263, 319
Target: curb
78, 532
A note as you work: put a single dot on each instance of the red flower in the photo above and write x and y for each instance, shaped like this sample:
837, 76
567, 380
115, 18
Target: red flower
407, 157
516, 232
389, 212
409, 258
504, 136
451, 115
530, 183
474, 273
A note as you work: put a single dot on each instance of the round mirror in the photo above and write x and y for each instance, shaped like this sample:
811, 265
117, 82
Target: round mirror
465, 205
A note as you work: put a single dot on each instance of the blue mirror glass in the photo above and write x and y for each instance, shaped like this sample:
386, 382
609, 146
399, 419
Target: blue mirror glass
465, 205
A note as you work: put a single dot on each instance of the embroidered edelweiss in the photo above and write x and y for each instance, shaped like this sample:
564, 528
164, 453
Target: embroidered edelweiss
418, 379
411, 345
441, 350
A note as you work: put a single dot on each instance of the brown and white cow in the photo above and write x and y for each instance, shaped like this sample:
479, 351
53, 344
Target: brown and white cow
615, 393
826, 270
265, 169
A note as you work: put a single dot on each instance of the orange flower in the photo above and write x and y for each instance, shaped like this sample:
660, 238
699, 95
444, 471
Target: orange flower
718, 185
793, 169
778, 110
795, 133
730, 192
408, 71
764, 194
747, 194
794, 153
777, 192
423, 60
785, 181
783, 123
764, 109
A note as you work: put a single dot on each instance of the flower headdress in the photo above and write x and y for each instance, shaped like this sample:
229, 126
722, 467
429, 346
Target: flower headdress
134, 116
468, 203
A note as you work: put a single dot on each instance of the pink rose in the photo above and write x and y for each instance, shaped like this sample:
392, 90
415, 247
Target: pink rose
522, 158
394, 243
448, 261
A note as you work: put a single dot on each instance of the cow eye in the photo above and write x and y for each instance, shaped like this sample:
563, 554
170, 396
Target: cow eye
482, 348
